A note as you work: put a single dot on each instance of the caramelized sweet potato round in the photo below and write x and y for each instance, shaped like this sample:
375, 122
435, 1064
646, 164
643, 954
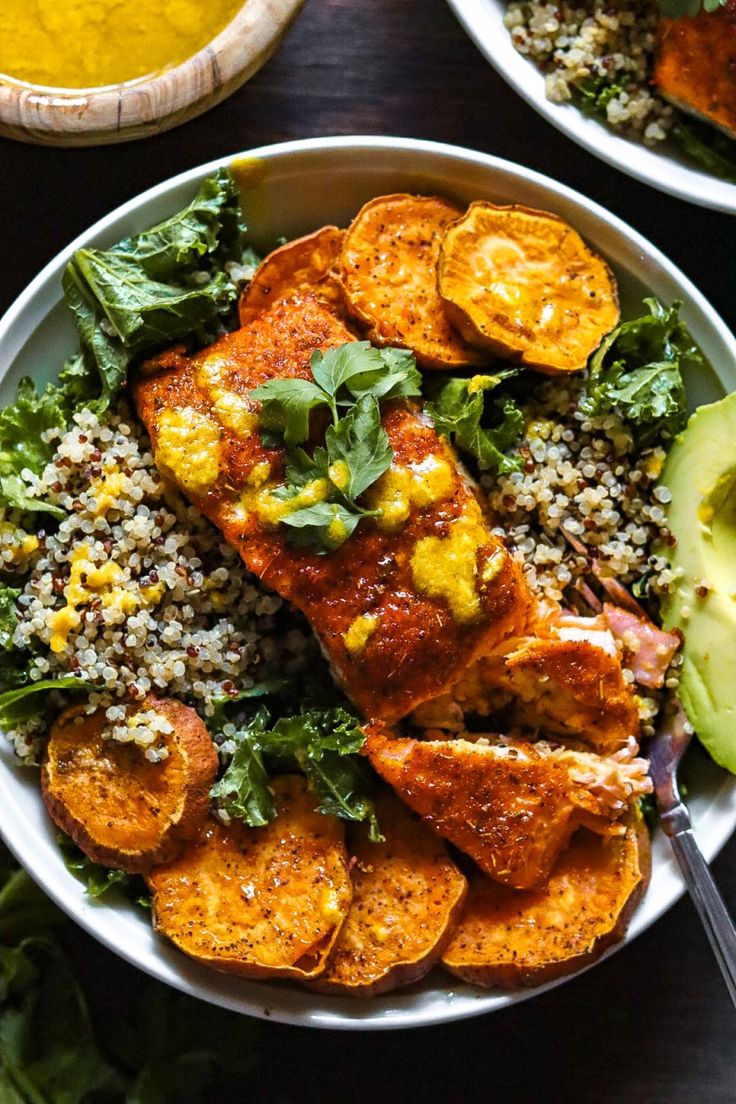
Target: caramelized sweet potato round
513, 938
388, 269
121, 809
259, 902
523, 284
304, 264
407, 896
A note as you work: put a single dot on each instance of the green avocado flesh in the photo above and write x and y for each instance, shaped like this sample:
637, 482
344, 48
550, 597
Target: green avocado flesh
700, 472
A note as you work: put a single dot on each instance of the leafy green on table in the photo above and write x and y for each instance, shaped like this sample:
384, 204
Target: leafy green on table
637, 372
348, 383
714, 151
322, 744
484, 428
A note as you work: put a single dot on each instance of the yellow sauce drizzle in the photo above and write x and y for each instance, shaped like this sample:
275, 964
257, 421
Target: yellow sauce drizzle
400, 488
89, 581
188, 444
268, 508
89, 43
359, 632
447, 567
232, 409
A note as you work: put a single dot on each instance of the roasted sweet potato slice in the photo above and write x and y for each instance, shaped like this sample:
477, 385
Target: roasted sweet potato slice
388, 269
121, 809
513, 938
523, 284
304, 264
511, 809
407, 896
259, 902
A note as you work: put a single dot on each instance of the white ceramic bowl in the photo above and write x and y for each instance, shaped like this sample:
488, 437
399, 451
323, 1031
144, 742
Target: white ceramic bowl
662, 167
294, 188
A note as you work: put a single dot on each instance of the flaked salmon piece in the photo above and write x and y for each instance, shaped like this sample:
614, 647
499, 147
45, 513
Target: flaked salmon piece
508, 804
566, 679
648, 650
405, 605
695, 65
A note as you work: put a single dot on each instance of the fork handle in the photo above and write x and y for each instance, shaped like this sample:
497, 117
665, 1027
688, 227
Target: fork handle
717, 922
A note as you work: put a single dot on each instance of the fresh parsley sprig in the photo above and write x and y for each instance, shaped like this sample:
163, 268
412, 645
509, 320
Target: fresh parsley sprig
348, 383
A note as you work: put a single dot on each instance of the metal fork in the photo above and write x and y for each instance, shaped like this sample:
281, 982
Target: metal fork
665, 751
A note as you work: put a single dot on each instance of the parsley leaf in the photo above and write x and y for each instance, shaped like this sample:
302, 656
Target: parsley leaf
485, 430
361, 369
287, 404
349, 381
322, 527
361, 443
637, 372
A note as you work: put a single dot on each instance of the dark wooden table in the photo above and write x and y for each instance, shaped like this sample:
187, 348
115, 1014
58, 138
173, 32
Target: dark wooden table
652, 1025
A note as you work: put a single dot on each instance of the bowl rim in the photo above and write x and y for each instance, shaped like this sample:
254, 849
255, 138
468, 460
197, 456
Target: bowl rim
156, 101
659, 170
270, 999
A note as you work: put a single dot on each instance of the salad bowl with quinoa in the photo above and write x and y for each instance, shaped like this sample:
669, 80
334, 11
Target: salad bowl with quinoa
645, 86
301, 499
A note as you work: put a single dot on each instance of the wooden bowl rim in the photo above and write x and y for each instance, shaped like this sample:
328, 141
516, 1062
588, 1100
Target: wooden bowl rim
106, 112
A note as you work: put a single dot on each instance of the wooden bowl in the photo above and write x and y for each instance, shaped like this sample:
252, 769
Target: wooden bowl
135, 109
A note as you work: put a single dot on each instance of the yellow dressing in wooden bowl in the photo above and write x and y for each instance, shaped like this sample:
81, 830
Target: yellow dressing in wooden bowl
84, 72
89, 43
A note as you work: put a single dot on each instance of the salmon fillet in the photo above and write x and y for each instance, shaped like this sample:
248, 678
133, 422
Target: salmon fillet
413, 597
695, 66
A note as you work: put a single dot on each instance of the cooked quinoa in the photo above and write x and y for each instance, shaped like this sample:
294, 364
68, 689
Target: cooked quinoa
584, 476
135, 592
614, 42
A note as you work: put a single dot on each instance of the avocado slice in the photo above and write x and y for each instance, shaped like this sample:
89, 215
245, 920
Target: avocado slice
700, 472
